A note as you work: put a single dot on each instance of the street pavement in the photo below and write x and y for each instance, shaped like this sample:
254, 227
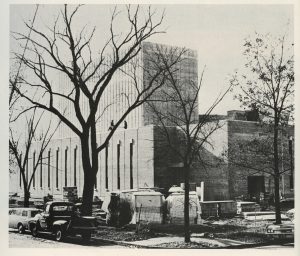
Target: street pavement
276, 247
26, 240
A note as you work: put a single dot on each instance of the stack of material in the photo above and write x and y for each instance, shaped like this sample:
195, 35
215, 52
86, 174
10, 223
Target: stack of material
227, 208
175, 208
261, 216
70, 194
147, 207
246, 207
209, 209
218, 208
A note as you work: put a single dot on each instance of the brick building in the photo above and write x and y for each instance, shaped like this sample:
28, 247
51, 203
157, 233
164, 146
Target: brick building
252, 181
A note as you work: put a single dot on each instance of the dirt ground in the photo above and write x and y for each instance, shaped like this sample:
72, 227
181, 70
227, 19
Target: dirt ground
232, 228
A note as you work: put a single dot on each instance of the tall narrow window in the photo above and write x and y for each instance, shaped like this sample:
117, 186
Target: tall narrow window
106, 167
118, 166
66, 167
33, 170
41, 171
49, 161
56, 180
131, 165
75, 161
20, 178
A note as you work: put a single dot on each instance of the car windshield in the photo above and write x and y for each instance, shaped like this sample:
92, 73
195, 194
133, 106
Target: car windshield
12, 212
63, 209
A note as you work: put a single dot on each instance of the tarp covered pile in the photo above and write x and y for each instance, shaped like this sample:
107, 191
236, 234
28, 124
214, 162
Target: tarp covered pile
175, 208
147, 207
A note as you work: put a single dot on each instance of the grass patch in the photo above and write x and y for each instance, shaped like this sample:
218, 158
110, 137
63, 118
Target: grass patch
174, 229
244, 236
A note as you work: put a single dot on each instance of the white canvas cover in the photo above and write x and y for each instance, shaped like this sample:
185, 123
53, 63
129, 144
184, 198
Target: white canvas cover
175, 207
147, 207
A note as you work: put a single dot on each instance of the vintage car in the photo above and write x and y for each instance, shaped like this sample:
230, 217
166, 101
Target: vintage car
61, 219
19, 218
281, 231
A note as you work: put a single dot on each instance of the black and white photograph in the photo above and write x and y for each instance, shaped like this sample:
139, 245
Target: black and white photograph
149, 126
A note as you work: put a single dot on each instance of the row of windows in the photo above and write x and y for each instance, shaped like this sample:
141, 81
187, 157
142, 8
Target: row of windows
118, 167
34, 169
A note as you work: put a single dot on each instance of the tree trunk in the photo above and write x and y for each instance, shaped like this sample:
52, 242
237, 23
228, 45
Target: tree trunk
277, 175
90, 168
26, 197
187, 237
25, 188
88, 192
277, 200
88, 181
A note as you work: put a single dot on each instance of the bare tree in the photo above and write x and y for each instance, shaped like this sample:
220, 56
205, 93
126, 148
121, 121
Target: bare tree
175, 108
20, 147
15, 75
21, 142
269, 87
70, 54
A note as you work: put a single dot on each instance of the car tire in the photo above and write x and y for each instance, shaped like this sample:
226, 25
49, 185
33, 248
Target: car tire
34, 230
86, 236
59, 235
21, 229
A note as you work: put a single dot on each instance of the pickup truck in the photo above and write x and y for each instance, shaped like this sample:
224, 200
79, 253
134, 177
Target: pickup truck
61, 219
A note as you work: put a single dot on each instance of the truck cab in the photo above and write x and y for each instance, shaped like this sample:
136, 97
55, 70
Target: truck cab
61, 219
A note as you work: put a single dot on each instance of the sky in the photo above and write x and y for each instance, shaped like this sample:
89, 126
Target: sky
217, 32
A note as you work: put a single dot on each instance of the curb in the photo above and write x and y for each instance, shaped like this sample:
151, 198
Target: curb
246, 246
123, 243
240, 246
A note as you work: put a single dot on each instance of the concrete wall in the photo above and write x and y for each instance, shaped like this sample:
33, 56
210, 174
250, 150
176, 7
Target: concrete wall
210, 168
154, 163
64, 164
185, 71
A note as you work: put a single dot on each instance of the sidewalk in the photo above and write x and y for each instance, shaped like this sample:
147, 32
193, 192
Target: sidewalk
155, 242
215, 242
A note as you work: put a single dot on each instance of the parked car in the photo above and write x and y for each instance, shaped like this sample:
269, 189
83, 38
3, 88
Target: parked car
19, 218
281, 230
61, 219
